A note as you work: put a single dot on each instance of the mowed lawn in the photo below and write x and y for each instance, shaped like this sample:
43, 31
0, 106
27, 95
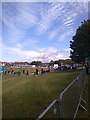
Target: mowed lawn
26, 96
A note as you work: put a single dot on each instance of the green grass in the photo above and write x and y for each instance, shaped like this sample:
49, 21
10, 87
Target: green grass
26, 96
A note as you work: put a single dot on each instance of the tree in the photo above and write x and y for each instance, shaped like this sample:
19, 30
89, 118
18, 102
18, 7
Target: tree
51, 63
37, 63
80, 43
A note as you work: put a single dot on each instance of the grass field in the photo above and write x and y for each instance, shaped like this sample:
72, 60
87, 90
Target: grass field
26, 96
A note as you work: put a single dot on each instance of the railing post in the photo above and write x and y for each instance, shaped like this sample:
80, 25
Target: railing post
57, 110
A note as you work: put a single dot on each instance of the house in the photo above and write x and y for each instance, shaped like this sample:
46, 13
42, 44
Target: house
22, 65
3, 64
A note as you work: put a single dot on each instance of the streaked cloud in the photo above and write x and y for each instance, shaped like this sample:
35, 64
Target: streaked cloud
64, 36
31, 30
53, 34
45, 0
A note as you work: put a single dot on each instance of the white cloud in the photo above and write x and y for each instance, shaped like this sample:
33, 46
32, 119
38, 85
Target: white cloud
53, 33
14, 33
64, 36
27, 17
19, 45
31, 43
42, 28
44, 55
48, 15
45, 1
18, 19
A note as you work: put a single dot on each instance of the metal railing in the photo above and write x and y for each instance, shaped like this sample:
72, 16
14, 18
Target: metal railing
56, 110
71, 97
70, 100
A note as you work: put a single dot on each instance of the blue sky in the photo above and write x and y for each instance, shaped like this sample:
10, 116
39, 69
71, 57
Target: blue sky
39, 30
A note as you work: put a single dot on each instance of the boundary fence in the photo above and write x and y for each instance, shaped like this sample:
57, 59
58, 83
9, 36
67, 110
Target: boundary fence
56, 106
70, 100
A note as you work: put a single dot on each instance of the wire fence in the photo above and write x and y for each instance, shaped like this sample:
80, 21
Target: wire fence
70, 101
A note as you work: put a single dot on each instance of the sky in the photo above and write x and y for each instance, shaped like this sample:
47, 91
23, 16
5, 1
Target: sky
39, 31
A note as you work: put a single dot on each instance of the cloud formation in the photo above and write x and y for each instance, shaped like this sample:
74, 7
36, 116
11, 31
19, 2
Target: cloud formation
44, 55
45, 0
31, 30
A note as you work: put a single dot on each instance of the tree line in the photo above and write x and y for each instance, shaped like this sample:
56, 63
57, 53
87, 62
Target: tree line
52, 62
80, 44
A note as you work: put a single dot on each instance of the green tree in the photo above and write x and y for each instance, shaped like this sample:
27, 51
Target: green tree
37, 63
80, 43
51, 63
